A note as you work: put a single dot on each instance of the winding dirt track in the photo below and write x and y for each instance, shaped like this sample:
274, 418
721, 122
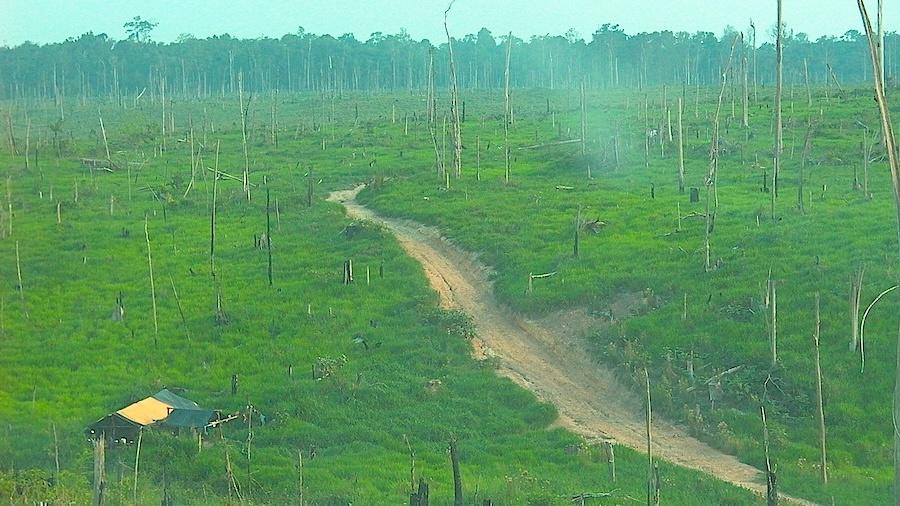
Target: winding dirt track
548, 359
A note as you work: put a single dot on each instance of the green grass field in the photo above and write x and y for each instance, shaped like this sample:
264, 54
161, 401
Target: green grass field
527, 227
64, 362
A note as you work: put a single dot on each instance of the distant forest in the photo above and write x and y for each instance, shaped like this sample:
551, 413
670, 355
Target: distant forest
95, 65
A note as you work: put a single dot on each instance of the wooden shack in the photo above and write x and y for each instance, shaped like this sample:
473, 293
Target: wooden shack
163, 409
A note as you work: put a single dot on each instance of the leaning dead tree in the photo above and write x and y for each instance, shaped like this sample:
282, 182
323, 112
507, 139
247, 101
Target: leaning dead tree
454, 100
891, 150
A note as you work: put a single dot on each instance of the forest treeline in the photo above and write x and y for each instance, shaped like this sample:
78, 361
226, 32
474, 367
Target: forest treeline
94, 65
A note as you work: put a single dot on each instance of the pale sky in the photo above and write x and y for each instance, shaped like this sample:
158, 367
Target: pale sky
53, 20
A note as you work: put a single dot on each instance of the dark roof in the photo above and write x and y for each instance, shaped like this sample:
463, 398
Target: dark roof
175, 401
196, 418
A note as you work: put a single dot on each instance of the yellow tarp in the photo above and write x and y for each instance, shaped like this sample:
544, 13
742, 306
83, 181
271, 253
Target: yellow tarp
146, 411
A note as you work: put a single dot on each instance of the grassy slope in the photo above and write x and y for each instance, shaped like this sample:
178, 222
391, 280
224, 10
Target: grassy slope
67, 363
527, 227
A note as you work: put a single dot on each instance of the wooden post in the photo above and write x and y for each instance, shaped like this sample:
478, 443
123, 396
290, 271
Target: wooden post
457, 479
610, 459
99, 469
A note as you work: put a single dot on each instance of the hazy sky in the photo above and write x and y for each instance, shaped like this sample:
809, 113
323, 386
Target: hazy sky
54, 20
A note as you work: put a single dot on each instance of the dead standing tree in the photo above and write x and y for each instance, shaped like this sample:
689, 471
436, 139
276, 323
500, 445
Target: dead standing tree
819, 403
244, 111
152, 286
779, 85
454, 100
712, 175
507, 110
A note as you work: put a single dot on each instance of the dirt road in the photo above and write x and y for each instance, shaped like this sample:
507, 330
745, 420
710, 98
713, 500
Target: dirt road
547, 358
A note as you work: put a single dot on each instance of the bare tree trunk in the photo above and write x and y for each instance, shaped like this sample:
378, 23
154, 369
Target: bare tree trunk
807, 147
99, 469
890, 141
855, 297
212, 217
680, 146
507, 112
821, 410
773, 320
745, 99
771, 483
152, 286
779, 85
457, 480
19, 275
583, 122
454, 100
137, 462
105, 142
808, 89
650, 485
880, 22
244, 133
